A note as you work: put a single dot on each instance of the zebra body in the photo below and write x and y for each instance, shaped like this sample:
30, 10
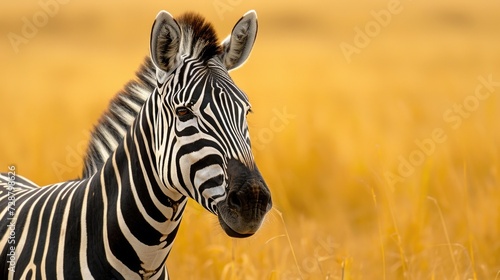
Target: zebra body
189, 139
70, 230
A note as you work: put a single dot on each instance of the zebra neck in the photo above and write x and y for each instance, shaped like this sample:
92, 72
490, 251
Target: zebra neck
143, 216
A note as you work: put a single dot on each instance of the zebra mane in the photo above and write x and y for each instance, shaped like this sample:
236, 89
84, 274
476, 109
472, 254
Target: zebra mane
199, 40
120, 114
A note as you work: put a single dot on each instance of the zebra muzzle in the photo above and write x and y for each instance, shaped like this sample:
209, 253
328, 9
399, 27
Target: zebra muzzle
247, 201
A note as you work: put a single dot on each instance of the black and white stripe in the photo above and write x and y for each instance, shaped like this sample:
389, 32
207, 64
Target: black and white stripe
113, 124
188, 137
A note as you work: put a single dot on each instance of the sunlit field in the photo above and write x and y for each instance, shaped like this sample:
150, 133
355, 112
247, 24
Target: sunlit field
375, 124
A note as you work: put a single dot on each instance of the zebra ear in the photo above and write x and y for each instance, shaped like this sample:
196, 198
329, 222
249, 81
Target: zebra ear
237, 46
164, 42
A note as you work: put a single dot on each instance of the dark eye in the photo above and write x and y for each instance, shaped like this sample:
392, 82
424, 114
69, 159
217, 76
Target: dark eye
184, 113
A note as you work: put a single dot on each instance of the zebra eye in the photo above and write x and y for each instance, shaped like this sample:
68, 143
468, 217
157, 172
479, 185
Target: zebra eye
183, 113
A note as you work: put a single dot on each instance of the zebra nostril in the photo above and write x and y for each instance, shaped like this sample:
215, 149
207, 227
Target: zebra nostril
234, 201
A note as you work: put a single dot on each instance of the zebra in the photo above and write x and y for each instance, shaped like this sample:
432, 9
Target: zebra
190, 139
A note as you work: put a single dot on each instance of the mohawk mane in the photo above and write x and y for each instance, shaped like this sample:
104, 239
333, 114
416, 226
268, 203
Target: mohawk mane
199, 38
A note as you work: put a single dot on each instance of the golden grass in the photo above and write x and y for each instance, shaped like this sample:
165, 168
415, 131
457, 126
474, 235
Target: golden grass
336, 215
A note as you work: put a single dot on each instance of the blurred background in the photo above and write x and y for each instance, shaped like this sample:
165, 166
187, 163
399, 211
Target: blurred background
375, 125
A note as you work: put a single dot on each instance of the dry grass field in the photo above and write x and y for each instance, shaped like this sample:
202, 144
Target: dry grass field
376, 126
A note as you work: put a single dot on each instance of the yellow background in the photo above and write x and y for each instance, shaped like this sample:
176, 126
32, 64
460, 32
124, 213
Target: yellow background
354, 123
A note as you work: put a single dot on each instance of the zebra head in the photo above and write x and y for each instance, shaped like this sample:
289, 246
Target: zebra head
203, 146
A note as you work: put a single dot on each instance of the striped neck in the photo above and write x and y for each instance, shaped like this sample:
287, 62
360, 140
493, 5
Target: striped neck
141, 216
